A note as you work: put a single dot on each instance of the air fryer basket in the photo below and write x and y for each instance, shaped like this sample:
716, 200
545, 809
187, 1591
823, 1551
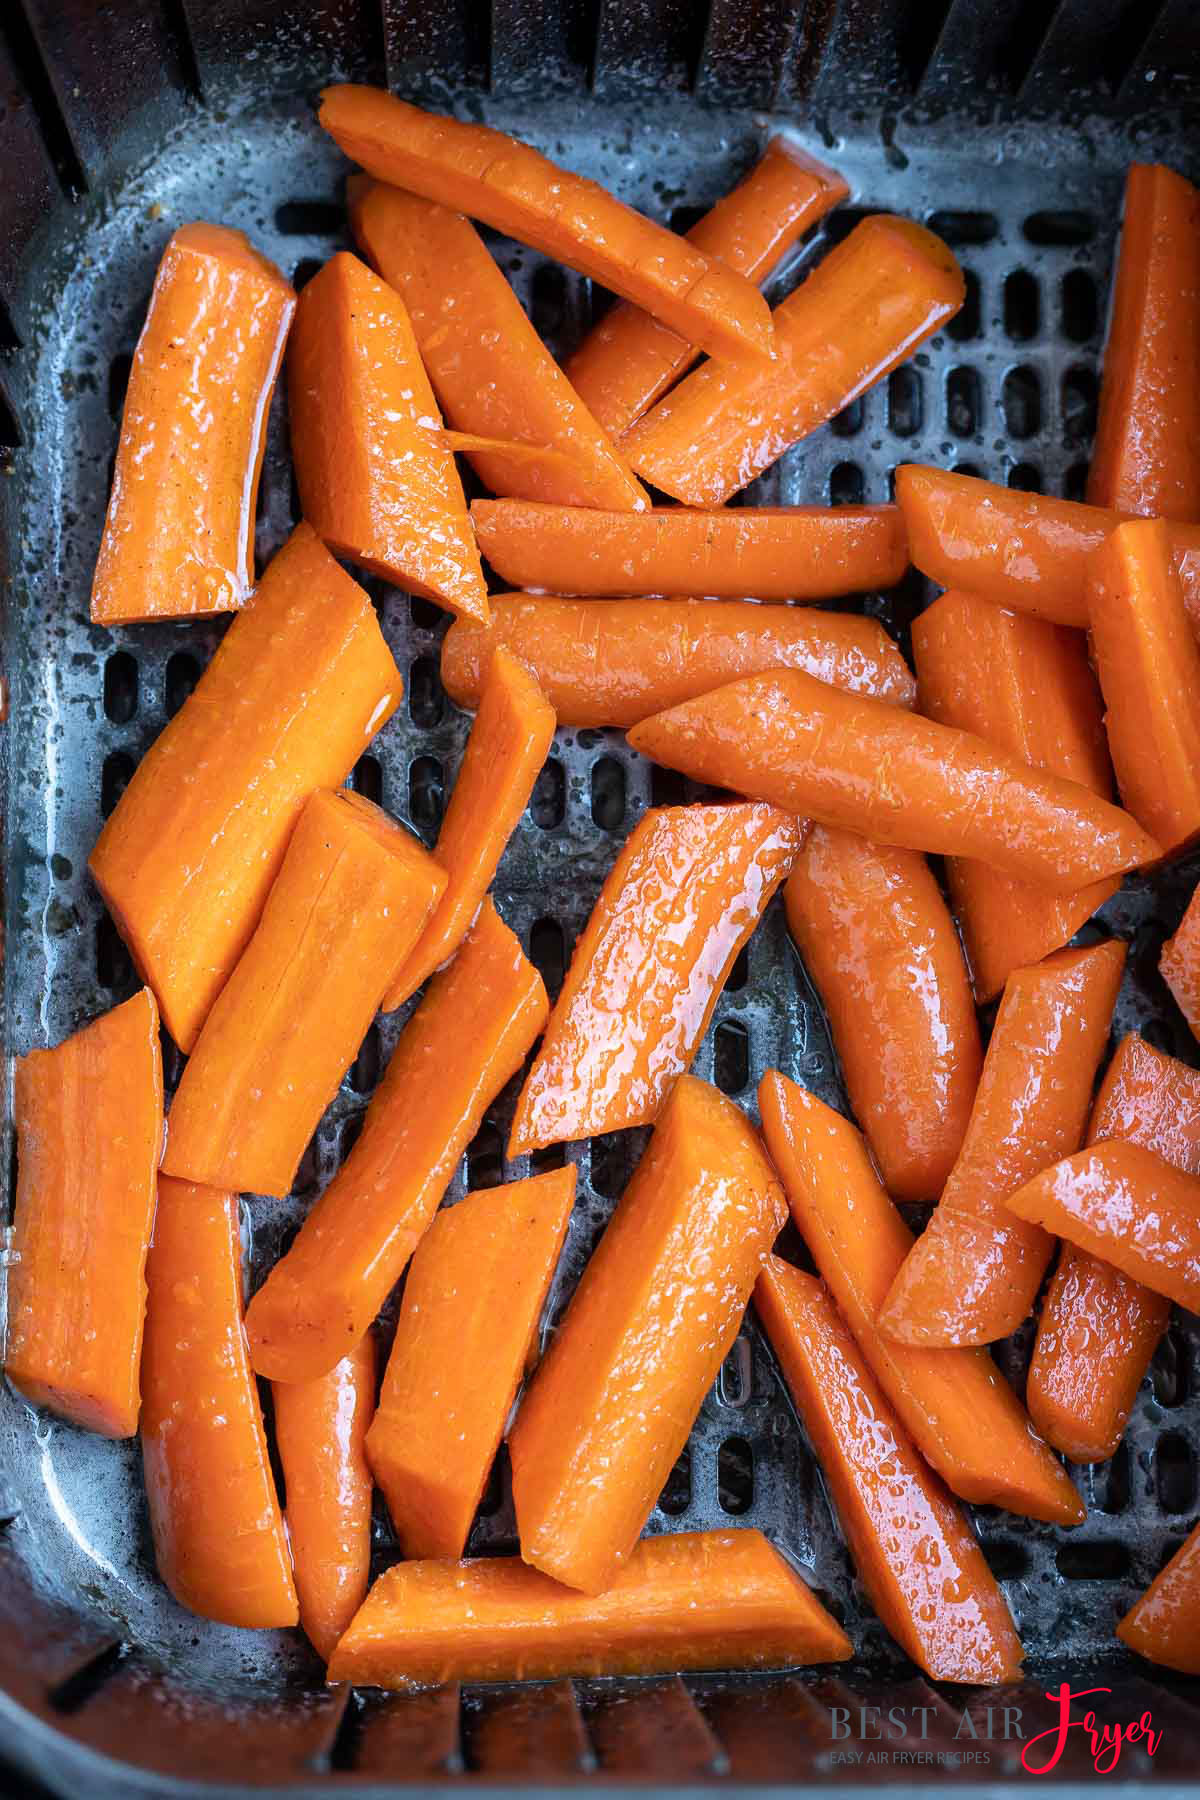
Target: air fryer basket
1006, 125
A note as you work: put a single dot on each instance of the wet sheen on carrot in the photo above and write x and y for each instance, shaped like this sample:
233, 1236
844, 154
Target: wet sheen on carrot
1179, 964
1164, 1625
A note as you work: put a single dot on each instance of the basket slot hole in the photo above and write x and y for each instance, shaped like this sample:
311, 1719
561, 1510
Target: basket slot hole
426, 793
549, 300
964, 402
1080, 307
847, 486
1027, 477
308, 1174
841, 223
183, 672
608, 793
1175, 1474
731, 1056
426, 697
1115, 1484
735, 1380
968, 320
1079, 399
548, 1157
114, 965
548, 802
968, 468
1169, 1370
667, 786
548, 953
962, 228
305, 269
1092, 1561
115, 777
365, 1069
1075, 482
120, 687
485, 1158
848, 422
118, 382
735, 1476
1006, 1558
1022, 306
676, 1496
367, 779
424, 614
905, 402
1059, 229
609, 1169
739, 975
310, 218
493, 1493
1021, 399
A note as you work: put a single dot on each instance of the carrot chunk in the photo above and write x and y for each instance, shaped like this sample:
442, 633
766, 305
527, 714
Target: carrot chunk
466, 1039
648, 1327
472, 1301
955, 1404
864, 309
219, 1540
179, 535
688, 1601
1164, 1626
300, 684
682, 898
89, 1125
1179, 964
915, 1553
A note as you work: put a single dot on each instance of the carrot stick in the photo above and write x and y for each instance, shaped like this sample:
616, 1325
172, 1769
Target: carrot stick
961, 1413
682, 898
321, 1428
915, 1553
648, 1327
1149, 667
1147, 452
466, 1039
1026, 687
300, 684
1164, 1626
512, 733
219, 1539
375, 479
89, 1124
179, 535
353, 896
629, 360
876, 938
472, 1302
1179, 964
491, 372
692, 1600
490, 176
761, 552
865, 308
1099, 1329
612, 662
974, 1272
852, 761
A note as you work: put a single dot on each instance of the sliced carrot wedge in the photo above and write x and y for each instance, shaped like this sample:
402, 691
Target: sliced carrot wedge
89, 1125
1164, 1626
1179, 964
955, 1404
473, 1298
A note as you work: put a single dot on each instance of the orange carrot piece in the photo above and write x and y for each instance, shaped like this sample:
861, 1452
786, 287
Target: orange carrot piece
472, 1302
916, 1555
300, 684
660, 1302
467, 1038
974, 1272
508, 744
376, 480
865, 308
955, 1404
852, 761
219, 1539
760, 552
688, 1601
179, 534
1179, 964
321, 1428
1148, 662
1025, 686
877, 939
680, 901
89, 1124
629, 360
353, 896
612, 662
1147, 452
490, 176
1099, 1329
1164, 1625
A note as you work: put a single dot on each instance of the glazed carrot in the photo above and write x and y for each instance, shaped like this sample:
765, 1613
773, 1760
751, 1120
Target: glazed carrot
1147, 452
511, 735
320, 1429
1179, 964
352, 897
682, 898
300, 684
956, 1406
648, 1327
974, 1272
179, 534
760, 552
89, 1124
629, 360
873, 930
692, 1600
1099, 1329
466, 1039
611, 662
855, 762
1164, 1626
915, 1553
1127, 1206
1149, 667
1026, 687
473, 1298
219, 1539
492, 177
491, 372
865, 308
375, 479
